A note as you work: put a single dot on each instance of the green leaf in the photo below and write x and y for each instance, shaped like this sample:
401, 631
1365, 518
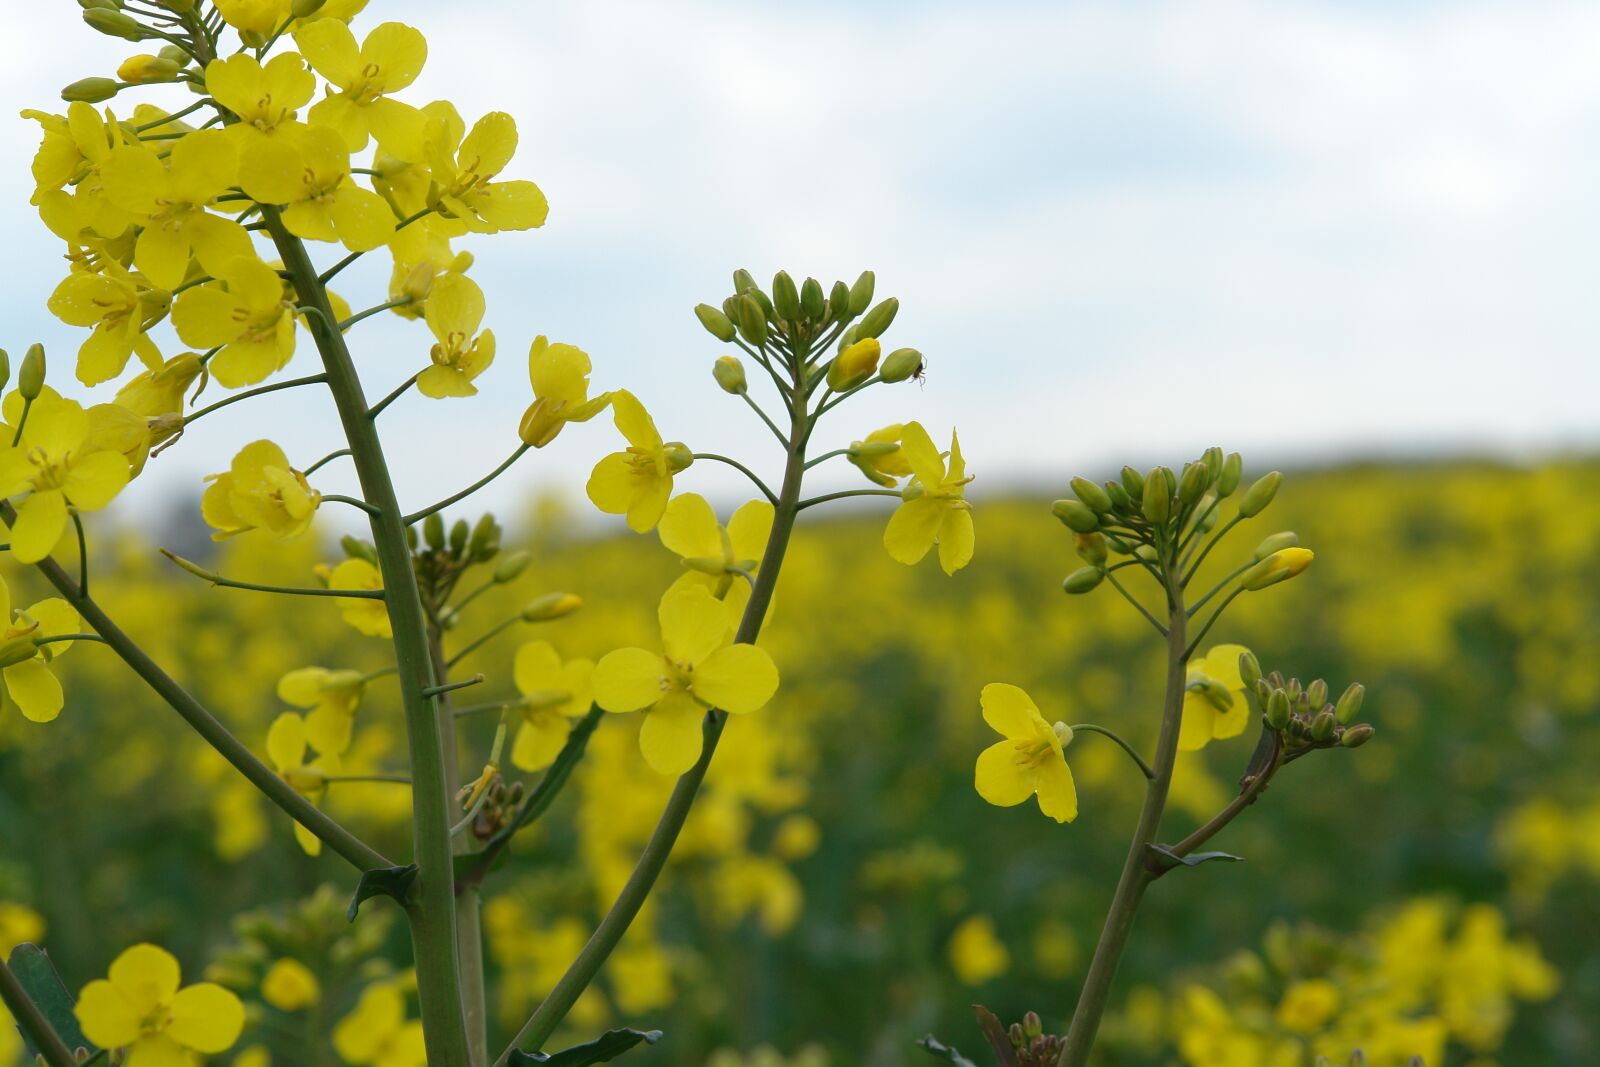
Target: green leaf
603, 1049
1194, 859
38, 976
382, 881
937, 1048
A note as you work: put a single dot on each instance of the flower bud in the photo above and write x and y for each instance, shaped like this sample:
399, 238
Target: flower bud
459, 532
729, 373
1031, 1025
1083, 580
743, 280
812, 303
1317, 693
1216, 694
1192, 485
109, 5
878, 319
1322, 726
1249, 668
1092, 548
1120, 500
839, 302
147, 69
18, 649
1133, 482
433, 531
900, 364
1259, 495
355, 548
114, 24
678, 456
5, 368
551, 606
1275, 542
1096, 498
716, 323
1350, 703
91, 90
1278, 709
1356, 736
30, 379
1278, 567
785, 297
1228, 480
854, 365
485, 539
1212, 458
1157, 500
861, 293
752, 321
511, 566
1076, 515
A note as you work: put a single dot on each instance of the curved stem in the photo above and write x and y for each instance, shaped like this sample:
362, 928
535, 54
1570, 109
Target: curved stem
1119, 587
398, 392
54, 638
1198, 604
397, 779
827, 456
1089, 727
478, 642
1215, 615
814, 501
1194, 568
261, 390
325, 460
287, 590
369, 312
1245, 798
53, 1050
772, 498
784, 441
340, 498
417, 516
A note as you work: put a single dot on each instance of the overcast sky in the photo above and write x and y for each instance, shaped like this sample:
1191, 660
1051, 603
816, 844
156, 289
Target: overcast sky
1118, 230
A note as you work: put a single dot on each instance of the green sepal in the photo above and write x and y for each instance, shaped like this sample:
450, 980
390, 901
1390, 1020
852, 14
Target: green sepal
603, 1049
382, 882
33, 969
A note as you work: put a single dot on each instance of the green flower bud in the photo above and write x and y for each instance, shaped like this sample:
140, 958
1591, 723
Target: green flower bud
1278, 567
839, 302
174, 53
752, 321
1228, 480
30, 379
764, 302
1317, 693
1092, 548
785, 297
1356, 736
1076, 515
1213, 462
1133, 482
729, 373
551, 606
433, 531
1350, 703
485, 539
742, 280
511, 566
5, 368
1275, 542
1097, 499
1118, 545
109, 5
1216, 694
730, 308
812, 302
878, 319
355, 548
679, 457
91, 90
1293, 691
1157, 503
1192, 486
861, 293
148, 70
1259, 495
114, 24
1264, 689
1083, 580
1322, 726
1249, 668
459, 532
716, 323
1120, 500
900, 364
1278, 709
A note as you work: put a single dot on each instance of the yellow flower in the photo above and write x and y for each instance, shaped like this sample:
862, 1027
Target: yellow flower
463, 166
308, 171
854, 365
721, 560
1308, 1005
387, 61
28, 680
934, 510
156, 397
289, 985
637, 482
245, 312
260, 17
976, 953
333, 698
1278, 567
880, 457
699, 671
265, 97
454, 313
421, 257
1214, 704
169, 200
1030, 760
367, 614
53, 460
140, 1007
553, 694
378, 1033
259, 491
18, 924
72, 153
560, 378
286, 748
118, 304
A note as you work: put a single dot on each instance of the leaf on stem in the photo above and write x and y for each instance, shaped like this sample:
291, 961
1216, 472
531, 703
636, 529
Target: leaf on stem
936, 1047
38, 976
603, 1049
382, 881
1193, 859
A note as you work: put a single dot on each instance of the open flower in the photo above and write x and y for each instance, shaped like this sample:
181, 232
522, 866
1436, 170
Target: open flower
368, 614
934, 510
1030, 761
117, 303
140, 1007
54, 462
24, 665
463, 168
637, 482
259, 491
264, 96
454, 313
553, 694
879, 456
698, 671
245, 312
308, 172
378, 1033
560, 378
287, 749
1214, 704
331, 699
387, 61
722, 560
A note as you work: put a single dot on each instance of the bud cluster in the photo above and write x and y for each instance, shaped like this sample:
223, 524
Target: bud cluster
501, 802
1023, 1044
1302, 714
114, 19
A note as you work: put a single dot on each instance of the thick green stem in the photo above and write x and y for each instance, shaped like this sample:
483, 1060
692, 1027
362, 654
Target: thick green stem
653, 859
44, 1037
431, 904
1136, 870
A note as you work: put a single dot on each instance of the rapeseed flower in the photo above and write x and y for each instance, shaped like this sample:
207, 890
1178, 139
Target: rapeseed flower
722, 560
287, 749
453, 314
463, 168
330, 699
259, 491
378, 1033
934, 510
308, 172
559, 375
637, 482
139, 1006
266, 97
119, 305
53, 463
24, 666
388, 60
553, 694
1214, 703
245, 312
367, 614
1030, 761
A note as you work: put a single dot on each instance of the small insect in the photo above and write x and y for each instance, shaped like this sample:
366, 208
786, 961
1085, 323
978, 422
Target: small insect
920, 375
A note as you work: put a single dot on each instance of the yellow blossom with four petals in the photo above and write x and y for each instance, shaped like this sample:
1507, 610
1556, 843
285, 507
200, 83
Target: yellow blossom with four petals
1030, 761
259, 491
637, 482
460, 353
54, 463
559, 375
720, 559
1214, 704
24, 666
553, 694
141, 1007
934, 509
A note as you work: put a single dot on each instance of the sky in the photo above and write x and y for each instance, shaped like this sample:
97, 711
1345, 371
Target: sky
1119, 231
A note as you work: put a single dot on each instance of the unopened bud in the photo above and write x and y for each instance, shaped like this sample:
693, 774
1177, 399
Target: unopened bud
459, 532
1278, 567
147, 69
716, 323
678, 456
1317, 693
1120, 500
91, 90
1350, 703
30, 379
551, 606
1249, 668
861, 292
1278, 709
1212, 458
1322, 726
1216, 694
1259, 495
5, 368
1092, 548
854, 365
729, 373
114, 24
1157, 502
839, 302
1031, 1025
1192, 486
1133, 482
511, 566
1232, 468
743, 281
878, 319
1096, 498
433, 531
355, 548
1356, 736
1076, 515
785, 297
812, 302
485, 539
1083, 580
752, 320
1275, 542
900, 364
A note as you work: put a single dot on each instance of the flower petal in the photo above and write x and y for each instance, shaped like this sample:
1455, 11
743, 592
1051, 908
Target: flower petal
628, 679
36, 691
106, 1016
206, 1017
737, 679
912, 529
1010, 711
998, 778
147, 975
671, 737
689, 527
694, 624
1058, 796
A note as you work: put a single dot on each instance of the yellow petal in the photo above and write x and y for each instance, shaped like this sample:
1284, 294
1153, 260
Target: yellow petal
693, 624
162, 252
918, 450
40, 521
737, 679
518, 205
455, 306
610, 486
749, 529
158, 1050
912, 529
286, 741
628, 679
328, 728
400, 129
671, 735
1010, 711
1221, 665
557, 371
35, 690
398, 50
634, 421
490, 144
1199, 722
650, 496
361, 218
203, 164
94, 480
147, 975
955, 539
107, 1018
689, 527
539, 740
536, 667
998, 778
330, 48
205, 316
206, 1018
1058, 797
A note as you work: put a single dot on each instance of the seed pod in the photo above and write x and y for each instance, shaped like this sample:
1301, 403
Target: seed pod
785, 297
1157, 503
752, 320
1259, 495
511, 566
551, 606
1133, 482
1228, 480
1097, 499
1083, 580
1249, 668
1092, 548
30, 379
1274, 542
879, 318
1356, 736
729, 373
861, 293
812, 302
900, 364
91, 90
1075, 514
433, 531
1350, 703
716, 323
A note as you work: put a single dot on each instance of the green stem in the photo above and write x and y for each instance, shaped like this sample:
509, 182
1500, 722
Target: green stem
431, 904
477, 643
312, 379
33, 1022
286, 590
418, 516
1091, 728
398, 392
784, 441
325, 460
369, 312
814, 501
653, 859
772, 497
1136, 872
1119, 587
